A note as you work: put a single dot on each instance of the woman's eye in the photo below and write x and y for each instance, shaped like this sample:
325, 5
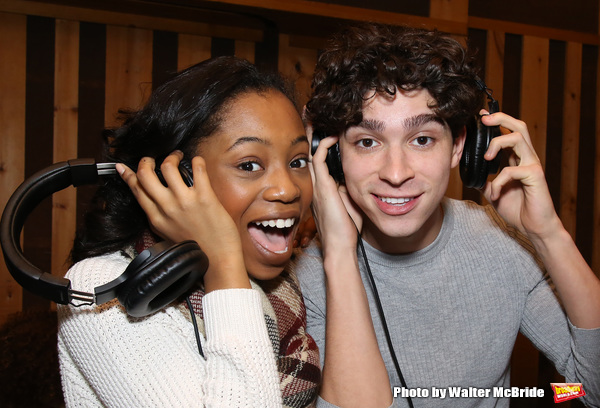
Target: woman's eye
299, 163
250, 166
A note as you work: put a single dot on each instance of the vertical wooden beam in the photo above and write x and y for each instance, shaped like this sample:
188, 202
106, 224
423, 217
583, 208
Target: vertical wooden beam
297, 64
191, 50
246, 50
494, 64
570, 141
39, 127
534, 91
128, 70
66, 108
164, 56
556, 101
584, 237
221, 47
596, 220
494, 69
13, 33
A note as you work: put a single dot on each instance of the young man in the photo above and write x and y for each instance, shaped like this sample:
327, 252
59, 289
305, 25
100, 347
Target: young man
456, 281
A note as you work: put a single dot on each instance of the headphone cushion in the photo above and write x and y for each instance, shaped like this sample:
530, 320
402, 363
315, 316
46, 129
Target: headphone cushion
165, 272
474, 169
334, 163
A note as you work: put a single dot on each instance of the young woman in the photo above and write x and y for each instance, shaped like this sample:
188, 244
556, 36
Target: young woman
251, 188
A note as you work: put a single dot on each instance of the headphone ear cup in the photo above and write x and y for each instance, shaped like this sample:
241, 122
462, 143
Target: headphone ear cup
185, 169
334, 163
159, 275
333, 159
473, 167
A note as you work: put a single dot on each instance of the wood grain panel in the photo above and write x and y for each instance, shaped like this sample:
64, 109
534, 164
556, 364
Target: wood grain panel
453, 10
66, 109
192, 49
534, 91
128, 70
132, 20
297, 64
13, 34
570, 141
350, 13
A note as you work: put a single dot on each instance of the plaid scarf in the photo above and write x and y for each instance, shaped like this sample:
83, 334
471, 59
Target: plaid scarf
295, 350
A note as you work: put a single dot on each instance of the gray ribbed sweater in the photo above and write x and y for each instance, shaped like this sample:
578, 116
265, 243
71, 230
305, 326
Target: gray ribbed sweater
454, 310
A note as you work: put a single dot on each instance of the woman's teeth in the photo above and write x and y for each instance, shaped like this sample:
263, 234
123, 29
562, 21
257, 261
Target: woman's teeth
277, 223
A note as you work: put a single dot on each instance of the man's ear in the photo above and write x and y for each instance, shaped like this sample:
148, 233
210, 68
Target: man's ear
458, 146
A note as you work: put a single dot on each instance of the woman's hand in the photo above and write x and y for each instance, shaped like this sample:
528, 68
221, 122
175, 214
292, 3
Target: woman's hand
179, 212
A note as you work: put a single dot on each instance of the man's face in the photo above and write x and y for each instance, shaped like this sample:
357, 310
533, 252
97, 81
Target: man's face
397, 163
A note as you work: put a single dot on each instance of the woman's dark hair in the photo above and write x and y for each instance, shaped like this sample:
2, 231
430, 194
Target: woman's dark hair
367, 58
179, 114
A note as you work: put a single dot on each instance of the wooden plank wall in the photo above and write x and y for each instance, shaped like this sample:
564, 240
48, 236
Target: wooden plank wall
63, 78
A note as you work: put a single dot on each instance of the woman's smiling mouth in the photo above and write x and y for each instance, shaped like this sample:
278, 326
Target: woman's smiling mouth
274, 235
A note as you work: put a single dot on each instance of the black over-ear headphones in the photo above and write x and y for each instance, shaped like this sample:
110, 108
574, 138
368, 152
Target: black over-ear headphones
155, 278
474, 169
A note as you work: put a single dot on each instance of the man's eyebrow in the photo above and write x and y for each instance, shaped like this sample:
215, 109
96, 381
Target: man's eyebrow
372, 124
247, 139
409, 123
420, 120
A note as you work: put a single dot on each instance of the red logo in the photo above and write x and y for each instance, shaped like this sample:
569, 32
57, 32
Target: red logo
567, 391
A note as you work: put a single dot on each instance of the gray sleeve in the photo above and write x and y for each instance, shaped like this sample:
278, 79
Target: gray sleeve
575, 352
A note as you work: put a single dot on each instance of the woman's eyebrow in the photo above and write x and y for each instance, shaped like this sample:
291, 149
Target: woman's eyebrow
254, 139
300, 139
247, 139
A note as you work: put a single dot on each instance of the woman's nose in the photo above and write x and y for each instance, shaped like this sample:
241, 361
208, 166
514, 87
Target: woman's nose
281, 187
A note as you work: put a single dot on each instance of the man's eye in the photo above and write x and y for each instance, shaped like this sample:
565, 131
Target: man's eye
250, 166
423, 140
299, 163
366, 143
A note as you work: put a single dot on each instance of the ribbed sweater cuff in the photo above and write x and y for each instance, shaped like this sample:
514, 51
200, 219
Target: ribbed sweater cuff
237, 311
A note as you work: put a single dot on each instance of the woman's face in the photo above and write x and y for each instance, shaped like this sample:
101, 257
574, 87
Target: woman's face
257, 165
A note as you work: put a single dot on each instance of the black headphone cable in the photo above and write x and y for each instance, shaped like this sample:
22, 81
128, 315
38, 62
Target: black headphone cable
195, 323
382, 315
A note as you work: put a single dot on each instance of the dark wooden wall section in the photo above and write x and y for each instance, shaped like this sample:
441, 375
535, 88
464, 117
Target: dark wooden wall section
67, 66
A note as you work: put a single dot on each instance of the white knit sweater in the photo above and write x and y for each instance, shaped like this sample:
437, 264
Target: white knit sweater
108, 358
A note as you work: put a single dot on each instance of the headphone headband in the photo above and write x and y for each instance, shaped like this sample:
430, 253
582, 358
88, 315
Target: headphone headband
25, 198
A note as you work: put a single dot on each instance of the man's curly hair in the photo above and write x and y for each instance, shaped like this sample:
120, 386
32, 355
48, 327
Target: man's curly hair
367, 58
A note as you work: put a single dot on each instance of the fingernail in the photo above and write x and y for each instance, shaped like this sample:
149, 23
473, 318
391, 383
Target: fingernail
120, 168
